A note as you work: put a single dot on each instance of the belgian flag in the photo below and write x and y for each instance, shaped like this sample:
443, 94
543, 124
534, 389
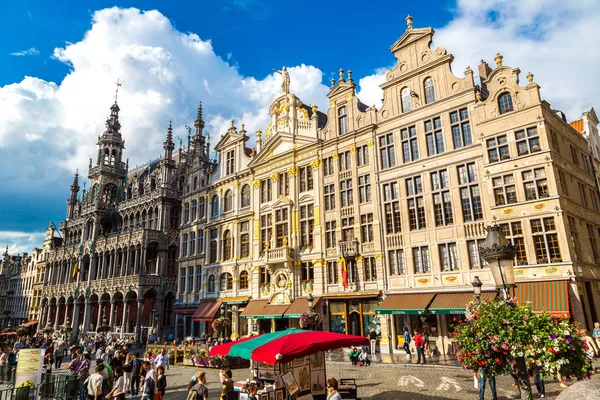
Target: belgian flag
344, 272
75, 271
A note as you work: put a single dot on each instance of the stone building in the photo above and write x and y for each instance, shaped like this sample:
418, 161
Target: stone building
402, 194
114, 263
15, 286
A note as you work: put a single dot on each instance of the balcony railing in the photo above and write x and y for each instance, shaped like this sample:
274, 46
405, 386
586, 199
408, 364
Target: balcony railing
475, 229
348, 248
278, 254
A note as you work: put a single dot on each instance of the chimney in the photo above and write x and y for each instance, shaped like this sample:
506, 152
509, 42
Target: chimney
484, 71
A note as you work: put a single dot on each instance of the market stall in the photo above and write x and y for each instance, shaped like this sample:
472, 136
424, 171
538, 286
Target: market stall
289, 364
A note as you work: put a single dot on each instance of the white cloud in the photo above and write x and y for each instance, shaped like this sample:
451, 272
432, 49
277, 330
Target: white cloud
32, 51
20, 242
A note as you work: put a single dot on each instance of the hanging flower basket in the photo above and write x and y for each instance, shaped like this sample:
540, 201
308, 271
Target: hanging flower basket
22, 331
7, 330
310, 318
220, 323
48, 329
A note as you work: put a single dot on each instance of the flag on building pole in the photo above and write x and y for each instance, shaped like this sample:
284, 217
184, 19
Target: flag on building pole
344, 272
75, 272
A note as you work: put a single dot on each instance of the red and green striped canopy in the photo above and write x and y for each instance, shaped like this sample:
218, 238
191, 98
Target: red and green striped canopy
284, 346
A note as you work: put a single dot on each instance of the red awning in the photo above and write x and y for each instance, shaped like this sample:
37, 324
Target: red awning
549, 296
30, 323
207, 310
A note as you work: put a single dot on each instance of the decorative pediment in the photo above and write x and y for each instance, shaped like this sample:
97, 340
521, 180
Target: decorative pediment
229, 139
280, 143
411, 36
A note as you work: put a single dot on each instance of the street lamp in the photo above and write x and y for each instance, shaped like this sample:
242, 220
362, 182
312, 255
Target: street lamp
310, 300
477, 287
499, 253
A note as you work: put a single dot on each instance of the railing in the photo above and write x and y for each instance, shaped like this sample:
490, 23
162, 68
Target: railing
277, 254
347, 211
393, 240
348, 248
343, 175
475, 229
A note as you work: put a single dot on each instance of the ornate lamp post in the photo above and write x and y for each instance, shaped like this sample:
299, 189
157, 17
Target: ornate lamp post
477, 287
310, 300
499, 253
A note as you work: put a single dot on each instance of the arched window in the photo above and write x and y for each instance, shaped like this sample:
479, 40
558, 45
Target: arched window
343, 120
429, 91
227, 201
214, 206
405, 99
246, 196
244, 280
227, 245
226, 282
211, 284
505, 103
151, 219
195, 183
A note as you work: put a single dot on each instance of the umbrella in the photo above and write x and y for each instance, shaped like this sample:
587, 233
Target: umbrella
284, 346
223, 349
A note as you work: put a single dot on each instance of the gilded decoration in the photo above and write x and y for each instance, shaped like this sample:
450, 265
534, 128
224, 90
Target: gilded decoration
316, 163
371, 143
292, 171
256, 183
274, 176
303, 113
353, 149
335, 155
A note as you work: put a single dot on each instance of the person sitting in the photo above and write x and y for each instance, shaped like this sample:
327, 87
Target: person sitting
354, 353
363, 358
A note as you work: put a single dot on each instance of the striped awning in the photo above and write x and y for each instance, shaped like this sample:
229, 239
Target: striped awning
409, 304
207, 310
549, 296
454, 303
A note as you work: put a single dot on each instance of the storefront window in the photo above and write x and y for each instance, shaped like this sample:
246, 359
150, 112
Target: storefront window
371, 322
425, 323
338, 317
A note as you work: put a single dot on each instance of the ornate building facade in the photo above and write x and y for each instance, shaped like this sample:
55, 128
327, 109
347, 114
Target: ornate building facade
403, 195
16, 282
114, 264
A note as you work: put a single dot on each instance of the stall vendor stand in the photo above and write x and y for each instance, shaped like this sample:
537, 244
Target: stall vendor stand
290, 364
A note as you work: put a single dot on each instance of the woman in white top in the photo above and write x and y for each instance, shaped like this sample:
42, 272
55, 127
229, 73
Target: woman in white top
118, 391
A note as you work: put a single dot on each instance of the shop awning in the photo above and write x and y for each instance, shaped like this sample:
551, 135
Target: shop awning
235, 300
351, 295
409, 304
454, 303
261, 309
185, 312
30, 323
549, 296
299, 306
207, 310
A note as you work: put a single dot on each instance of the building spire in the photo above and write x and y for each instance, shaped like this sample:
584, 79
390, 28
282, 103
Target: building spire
75, 185
169, 145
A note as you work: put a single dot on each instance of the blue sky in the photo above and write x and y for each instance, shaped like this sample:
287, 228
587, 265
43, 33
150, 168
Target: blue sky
58, 62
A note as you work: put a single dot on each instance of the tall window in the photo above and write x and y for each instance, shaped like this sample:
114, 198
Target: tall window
514, 233
545, 239
265, 276
184, 247
363, 155
416, 203
201, 208
245, 201
497, 148
392, 208
330, 235
198, 278
386, 150
366, 228
266, 231
201, 241
345, 160
195, 183
192, 243
212, 256
429, 91
211, 284
306, 178
574, 235
461, 128
227, 245
469, 193
369, 269
346, 197
308, 272
214, 206
505, 103
563, 182
504, 189
266, 188
582, 194
343, 120
405, 99
535, 184
329, 197
284, 187
594, 197
364, 188
442, 202
332, 272
226, 282
228, 201
307, 225
421, 259
396, 259
448, 256
230, 162
475, 259
190, 279
281, 227
528, 141
328, 166
574, 155
348, 229
243, 280
186, 214
434, 136
244, 239
410, 148
593, 242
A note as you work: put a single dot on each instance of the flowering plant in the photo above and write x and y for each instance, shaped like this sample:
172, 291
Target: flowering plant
219, 323
28, 384
310, 318
48, 329
21, 331
496, 332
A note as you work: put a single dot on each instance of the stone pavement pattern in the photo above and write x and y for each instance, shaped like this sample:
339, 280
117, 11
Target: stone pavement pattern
378, 382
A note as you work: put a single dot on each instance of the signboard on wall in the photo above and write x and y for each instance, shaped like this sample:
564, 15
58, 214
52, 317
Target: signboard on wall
29, 366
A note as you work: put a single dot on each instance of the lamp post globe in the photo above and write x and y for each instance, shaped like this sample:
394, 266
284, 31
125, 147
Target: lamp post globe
310, 299
476, 286
499, 253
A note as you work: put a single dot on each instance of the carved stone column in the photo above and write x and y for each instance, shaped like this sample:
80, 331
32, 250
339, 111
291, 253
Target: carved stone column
138, 317
75, 321
87, 315
125, 316
113, 309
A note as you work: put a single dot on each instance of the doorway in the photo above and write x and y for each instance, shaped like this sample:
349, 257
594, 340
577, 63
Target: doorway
354, 324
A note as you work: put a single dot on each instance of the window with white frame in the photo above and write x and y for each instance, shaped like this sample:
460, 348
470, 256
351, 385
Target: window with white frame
332, 272
346, 195
329, 197
306, 178
421, 259
396, 262
369, 269
330, 234
497, 148
448, 256
362, 155
513, 231
366, 228
504, 189
391, 207
345, 160
244, 239
416, 203
328, 166
475, 259
266, 190
470, 196
429, 90
545, 240
528, 141
364, 188
281, 227
386, 151
461, 128
442, 201
348, 229
410, 147
535, 184
230, 162
434, 136
343, 120
405, 99
307, 225
266, 231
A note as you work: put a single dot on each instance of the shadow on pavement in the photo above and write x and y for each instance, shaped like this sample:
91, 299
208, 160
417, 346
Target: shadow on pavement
400, 395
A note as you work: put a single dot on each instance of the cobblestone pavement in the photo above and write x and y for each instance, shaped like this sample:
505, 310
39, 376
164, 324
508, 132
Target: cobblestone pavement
379, 382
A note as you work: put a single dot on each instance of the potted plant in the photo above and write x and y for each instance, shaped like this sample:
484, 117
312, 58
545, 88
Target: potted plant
522, 262
556, 259
22, 331
310, 318
542, 260
23, 390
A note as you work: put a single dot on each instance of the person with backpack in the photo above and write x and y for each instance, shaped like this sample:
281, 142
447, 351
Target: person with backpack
137, 374
406, 344
199, 391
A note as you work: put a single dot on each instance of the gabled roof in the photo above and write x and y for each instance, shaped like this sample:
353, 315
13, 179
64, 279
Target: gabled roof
410, 36
277, 140
577, 125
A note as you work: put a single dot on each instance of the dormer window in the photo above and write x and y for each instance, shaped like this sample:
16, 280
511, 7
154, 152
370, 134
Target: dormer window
343, 120
405, 99
229, 162
505, 103
429, 90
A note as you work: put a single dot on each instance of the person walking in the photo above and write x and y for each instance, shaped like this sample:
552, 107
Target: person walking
420, 345
118, 391
373, 339
162, 360
59, 353
136, 374
161, 382
149, 386
127, 372
332, 389
492, 382
228, 391
94, 384
406, 344
198, 391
